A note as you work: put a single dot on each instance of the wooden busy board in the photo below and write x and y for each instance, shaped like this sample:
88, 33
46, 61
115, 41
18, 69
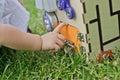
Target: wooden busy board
98, 21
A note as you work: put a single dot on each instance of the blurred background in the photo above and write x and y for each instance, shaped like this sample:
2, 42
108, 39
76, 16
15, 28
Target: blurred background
36, 22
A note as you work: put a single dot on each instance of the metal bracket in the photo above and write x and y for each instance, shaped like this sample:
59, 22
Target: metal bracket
69, 44
49, 18
81, 37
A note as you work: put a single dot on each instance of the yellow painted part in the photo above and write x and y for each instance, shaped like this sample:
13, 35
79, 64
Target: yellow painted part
71, 34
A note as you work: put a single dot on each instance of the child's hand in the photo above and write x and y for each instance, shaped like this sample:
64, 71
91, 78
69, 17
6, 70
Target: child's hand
53, 40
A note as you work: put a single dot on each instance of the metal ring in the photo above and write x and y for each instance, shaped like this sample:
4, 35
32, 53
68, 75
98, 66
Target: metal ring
70, 13
61, 4
49, 18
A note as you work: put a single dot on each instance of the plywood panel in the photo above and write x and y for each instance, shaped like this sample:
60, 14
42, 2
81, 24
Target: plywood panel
99, 20
78, 20
103, 20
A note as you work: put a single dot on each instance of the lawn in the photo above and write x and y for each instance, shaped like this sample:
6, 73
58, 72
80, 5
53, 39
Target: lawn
45, 65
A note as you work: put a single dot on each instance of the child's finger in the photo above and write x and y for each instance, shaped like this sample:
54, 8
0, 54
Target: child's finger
61, 37
60, 43
57, 29
57, 47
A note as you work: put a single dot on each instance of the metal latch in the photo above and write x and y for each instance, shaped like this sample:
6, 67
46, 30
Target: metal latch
69, 44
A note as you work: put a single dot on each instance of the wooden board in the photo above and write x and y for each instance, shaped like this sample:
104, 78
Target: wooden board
103, 20
78, 20
98, 21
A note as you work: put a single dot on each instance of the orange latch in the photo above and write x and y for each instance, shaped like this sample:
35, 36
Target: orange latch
71, 34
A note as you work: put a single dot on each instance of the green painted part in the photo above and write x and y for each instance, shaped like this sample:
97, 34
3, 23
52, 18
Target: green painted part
103, 20
94, 40
116, 5
112, 46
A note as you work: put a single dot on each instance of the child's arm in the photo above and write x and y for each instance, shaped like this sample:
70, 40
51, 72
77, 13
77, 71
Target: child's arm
14, 38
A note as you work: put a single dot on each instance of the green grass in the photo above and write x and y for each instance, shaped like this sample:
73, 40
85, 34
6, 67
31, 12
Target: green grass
44, 65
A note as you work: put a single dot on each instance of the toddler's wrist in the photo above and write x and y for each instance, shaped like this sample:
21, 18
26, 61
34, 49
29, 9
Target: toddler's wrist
41, 43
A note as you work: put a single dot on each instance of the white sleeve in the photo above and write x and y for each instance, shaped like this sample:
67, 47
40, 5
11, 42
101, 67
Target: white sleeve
16, 15
1, 9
